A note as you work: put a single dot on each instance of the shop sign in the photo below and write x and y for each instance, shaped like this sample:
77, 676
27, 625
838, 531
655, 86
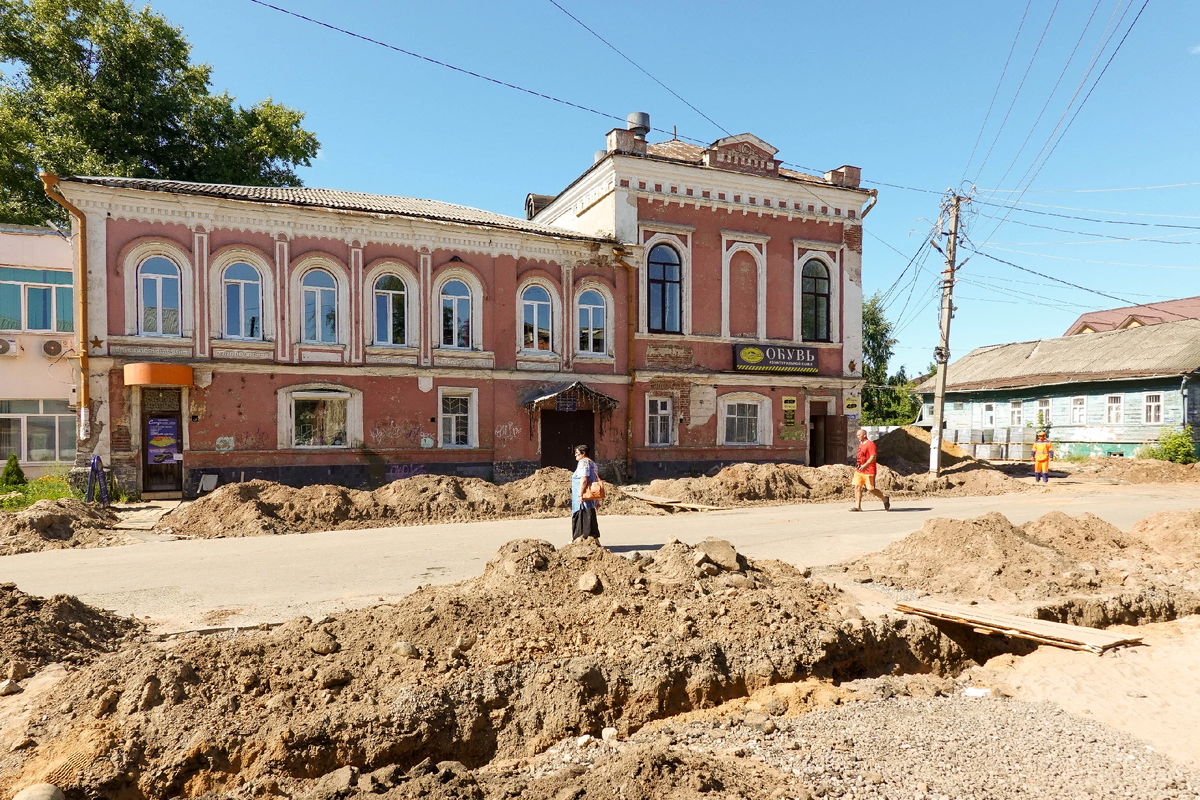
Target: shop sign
850, 405
789, 412
774, 358
566, 403
162, 442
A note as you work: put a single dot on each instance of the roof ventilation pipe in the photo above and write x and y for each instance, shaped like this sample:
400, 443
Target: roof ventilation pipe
599, 156
639, 123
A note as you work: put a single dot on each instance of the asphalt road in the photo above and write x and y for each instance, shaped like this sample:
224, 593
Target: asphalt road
189, 584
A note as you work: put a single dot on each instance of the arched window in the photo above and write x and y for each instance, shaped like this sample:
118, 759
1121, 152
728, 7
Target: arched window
390, 311
320, 307
814, 302
664, 290
158, 297
591, 323
243, 302
535, 320
456, 315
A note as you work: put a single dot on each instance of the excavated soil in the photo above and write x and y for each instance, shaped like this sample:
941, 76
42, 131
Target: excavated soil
1129, 470
910, 445
544, 645
264, 508
56, 524
1091, 572
38, 631
743, 484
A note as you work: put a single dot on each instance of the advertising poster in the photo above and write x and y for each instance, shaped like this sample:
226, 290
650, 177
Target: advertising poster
162, 440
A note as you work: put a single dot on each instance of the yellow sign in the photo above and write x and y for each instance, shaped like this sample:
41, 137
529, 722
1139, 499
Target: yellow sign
752, 355
850, 405
789, 404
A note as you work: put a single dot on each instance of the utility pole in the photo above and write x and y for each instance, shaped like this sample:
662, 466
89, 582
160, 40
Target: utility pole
942, 352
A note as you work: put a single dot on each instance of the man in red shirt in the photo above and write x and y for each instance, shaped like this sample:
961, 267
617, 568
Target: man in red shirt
864, 474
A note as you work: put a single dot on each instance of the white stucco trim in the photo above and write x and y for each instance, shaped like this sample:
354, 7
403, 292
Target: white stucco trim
449, 272
301, 268
556, 318
224, 259
803, 256
472, 395
685, 282
134, 259
740, 242
766, 426
592, 284
412, 303
285, 413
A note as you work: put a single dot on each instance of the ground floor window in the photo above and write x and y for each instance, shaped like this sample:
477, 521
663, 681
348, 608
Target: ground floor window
744, 418
989, 415
321, 419
457, 417
1153, 412
1078, 410
1114, 410
39, 431
658, 421
1043, 414
1016, 413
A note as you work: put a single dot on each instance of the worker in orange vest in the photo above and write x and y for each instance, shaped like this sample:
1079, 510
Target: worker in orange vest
1043, 451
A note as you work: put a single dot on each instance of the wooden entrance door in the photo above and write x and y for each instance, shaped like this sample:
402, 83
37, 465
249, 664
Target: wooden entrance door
162, 441
562, 431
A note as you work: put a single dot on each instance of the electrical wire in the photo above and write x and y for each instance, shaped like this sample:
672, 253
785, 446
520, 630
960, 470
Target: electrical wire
996, 93
1105, 211
1092, 261
1081, 191
1092, 219
640, 68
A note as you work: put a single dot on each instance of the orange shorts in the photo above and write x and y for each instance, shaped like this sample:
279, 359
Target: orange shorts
864, 480
1041, 466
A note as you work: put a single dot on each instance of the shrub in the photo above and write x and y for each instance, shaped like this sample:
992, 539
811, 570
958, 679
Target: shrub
1173, 445
13, 475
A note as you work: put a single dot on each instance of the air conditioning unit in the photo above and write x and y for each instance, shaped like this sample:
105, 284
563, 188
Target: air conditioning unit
52, 348
9, 347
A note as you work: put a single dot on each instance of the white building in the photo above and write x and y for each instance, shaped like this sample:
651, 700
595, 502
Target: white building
37, 365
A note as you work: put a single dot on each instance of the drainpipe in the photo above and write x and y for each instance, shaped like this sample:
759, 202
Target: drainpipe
630, 318
50, 184
874, 200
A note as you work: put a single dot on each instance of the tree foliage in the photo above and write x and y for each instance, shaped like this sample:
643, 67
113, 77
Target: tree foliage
100, 88
887, 399
12, 475
1174, 444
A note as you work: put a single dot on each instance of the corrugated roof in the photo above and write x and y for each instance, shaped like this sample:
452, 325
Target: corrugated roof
1172, 348
339, 200
1150, 314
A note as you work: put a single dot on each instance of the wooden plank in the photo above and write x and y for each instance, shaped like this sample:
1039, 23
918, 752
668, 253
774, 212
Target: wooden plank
673, 505
1076, 637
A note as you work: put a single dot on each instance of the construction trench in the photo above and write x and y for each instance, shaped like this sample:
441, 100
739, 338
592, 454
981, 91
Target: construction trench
685, 671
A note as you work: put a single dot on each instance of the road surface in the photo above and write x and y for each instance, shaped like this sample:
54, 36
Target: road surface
190, 584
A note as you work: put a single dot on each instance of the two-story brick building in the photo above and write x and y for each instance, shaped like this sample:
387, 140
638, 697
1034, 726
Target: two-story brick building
676, 307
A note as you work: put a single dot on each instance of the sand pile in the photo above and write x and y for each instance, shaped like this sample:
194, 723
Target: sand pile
544, 645
1173, 537
263, 508
1130, 470
910, 446
53, 524
742, 484
38, 631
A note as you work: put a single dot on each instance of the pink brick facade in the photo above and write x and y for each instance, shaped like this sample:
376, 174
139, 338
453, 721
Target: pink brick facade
303, 389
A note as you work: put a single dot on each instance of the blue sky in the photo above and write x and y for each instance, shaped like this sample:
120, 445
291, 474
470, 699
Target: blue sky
900, 89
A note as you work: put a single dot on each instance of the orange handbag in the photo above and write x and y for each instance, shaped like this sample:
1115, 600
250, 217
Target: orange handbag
594, 491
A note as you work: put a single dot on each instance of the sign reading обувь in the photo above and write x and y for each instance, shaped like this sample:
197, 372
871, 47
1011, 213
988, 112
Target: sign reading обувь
774, 358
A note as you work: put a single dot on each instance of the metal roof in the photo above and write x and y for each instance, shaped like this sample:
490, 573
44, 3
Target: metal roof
1148, 314
1172, 348
339, 200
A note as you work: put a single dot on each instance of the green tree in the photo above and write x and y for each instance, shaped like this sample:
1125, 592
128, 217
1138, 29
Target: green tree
99, 88
13, 475
887, 400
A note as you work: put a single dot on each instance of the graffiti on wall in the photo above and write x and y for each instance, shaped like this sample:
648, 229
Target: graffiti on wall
506, 433
393, 434
397, 472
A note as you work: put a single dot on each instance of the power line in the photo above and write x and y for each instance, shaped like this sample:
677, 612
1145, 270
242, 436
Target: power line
1091, 219
1079, 191
640, 68
1103, 211
996, 93
1092, 261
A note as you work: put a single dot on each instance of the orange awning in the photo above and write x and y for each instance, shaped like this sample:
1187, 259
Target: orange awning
158, 375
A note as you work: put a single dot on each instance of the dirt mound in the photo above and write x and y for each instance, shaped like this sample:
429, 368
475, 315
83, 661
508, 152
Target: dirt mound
910, 444
544, 645
53, 524
40, 631
1130, 470
742, 484
263, 508
1174, 536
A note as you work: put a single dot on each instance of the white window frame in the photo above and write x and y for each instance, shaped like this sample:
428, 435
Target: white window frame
262, 302
472, 396
1148, 405
606, 298
158, 291
285, 414
1119, 407
1047, 408
475, 288
552, 312
766, 426
23, 432
23, 288
222, 260
652, 402
685, 278
1016, 413
989, 408
1081, 407
133, 260
318, 291
390, 294
412, 303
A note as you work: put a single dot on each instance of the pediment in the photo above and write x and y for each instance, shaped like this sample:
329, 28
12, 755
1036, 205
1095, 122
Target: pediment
743, 153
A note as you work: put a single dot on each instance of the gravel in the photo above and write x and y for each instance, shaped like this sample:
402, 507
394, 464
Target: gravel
926, 748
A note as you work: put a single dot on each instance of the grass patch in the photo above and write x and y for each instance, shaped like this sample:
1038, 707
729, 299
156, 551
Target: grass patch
48, 487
